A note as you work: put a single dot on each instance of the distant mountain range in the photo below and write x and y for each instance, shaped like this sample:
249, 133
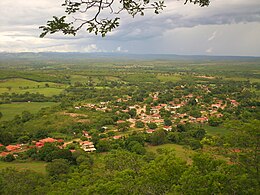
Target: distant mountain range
120, 56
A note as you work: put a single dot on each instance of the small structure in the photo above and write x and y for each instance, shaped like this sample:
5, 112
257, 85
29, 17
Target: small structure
117, 137
150, 131
216, 106
167, 128
41, 142
85, 133
202, 119
120, 121
12, 148
3, 154
234, 103
87, 146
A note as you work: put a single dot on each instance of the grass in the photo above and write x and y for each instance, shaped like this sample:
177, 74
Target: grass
168, 78
141, 78
112, 78
10, 110
38, 167
46, 91
83, 79
18, 85
180, 151
216, 130
254, 80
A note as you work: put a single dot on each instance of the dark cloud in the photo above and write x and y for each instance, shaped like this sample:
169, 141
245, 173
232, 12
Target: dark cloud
217, 14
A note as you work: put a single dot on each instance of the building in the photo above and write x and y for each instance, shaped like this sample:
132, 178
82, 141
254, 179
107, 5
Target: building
41, 142
12, 148
87, 146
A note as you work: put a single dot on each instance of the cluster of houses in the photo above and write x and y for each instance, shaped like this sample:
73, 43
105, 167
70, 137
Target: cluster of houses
172, 106
87, 146
10, 149
153, 116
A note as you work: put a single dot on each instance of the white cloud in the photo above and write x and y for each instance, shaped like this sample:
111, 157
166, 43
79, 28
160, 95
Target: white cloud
120, 50
230, 27
209, 50
91, 48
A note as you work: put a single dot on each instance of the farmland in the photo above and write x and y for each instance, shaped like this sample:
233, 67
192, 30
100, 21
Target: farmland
19, 85
10, 110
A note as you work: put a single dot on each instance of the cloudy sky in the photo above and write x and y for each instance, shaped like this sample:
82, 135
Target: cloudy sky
226, 27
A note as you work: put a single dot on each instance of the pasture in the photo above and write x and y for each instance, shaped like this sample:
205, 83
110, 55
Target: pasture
36, 166
253, 80
180, 151
19, 85
83, 79
10, 110
216, 130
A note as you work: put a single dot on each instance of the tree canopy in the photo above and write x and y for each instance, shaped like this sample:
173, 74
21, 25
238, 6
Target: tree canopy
91, 14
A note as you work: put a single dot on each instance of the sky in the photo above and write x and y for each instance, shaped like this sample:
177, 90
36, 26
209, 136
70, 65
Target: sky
226, 27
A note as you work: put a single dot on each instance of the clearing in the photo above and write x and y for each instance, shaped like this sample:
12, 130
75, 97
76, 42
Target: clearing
180, 151
10, 110
38, 167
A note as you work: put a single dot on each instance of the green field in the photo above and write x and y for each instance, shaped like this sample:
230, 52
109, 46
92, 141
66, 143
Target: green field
168, 78
83, 79
254, 80
38, 167
141, 78
215, 130
112, 78
10, 110
18, 85
180, 151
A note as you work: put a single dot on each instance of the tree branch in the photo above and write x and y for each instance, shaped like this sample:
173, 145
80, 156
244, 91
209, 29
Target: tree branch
104, 25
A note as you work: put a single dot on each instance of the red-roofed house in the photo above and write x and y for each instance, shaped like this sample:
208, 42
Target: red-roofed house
158, 107
150, 131
60, 140
13, 147
117, 137
48, 140
202, 119
156, 116
234, 102
41, 142
189, 96
120, 121
163, 105
158, 121
3, 154
167, 128
236, 150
